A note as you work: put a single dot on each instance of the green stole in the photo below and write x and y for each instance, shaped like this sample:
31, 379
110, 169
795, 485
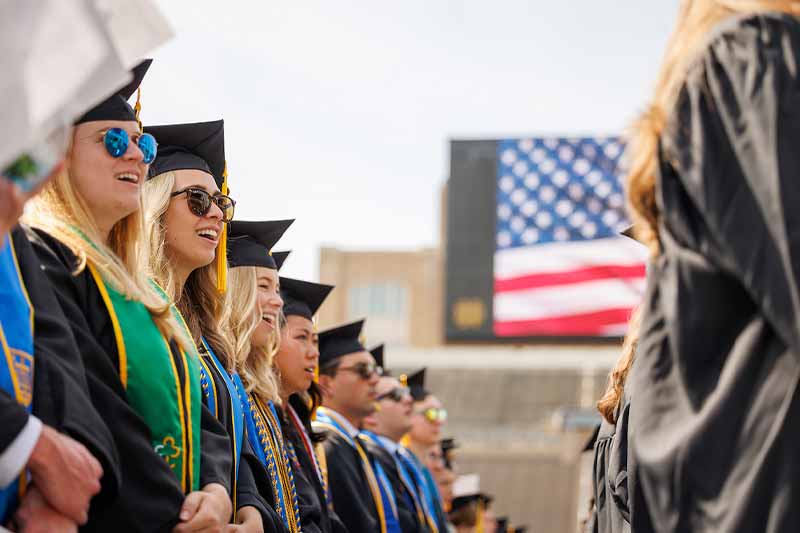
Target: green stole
147, 368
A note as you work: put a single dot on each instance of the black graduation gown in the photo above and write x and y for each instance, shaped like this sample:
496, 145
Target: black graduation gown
610, 474
150, 496
716, 393
350, 491
247, 488
60, 392
407, 515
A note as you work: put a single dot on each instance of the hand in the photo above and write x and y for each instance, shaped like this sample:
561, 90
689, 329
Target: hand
205, 510
66, 474
248, 520
36, 516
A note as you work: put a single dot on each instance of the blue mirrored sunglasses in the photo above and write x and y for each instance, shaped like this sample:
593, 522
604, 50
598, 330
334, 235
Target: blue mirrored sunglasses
116, 141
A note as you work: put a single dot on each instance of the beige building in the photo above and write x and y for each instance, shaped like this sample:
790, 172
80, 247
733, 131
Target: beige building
400, 292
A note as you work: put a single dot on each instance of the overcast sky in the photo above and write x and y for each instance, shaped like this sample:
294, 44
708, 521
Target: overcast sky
338, 113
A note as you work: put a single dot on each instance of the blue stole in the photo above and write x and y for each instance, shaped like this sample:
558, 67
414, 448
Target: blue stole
266, 439
212, 396
387, 491
16, 364
430, 494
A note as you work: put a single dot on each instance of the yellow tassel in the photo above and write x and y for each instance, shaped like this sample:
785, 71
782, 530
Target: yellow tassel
138, 108
222, 246
405, 441
316, 367
403, 380
479, 521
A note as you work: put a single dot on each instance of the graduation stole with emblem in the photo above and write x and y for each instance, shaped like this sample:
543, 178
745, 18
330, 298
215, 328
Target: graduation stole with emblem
266, 438
16, 340
329, 420
169, 405
212, 397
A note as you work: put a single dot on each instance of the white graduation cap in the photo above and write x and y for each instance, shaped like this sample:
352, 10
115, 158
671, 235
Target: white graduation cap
467, 485
61, 57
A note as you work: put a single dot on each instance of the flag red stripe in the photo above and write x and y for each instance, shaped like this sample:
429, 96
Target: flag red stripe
569, 277
579, 324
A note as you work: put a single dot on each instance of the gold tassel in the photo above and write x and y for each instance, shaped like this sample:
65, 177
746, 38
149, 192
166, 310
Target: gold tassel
403, 380
138, 108
222, 245
479, 520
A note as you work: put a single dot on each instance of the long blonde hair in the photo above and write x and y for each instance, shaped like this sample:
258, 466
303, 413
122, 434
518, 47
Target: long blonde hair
242, 316
696, 19
199, 301
60, 211
617, 378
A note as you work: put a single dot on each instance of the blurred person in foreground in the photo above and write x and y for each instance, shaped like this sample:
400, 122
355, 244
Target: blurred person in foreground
713, 190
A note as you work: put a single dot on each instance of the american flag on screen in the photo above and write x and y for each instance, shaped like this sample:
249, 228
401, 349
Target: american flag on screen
560, 266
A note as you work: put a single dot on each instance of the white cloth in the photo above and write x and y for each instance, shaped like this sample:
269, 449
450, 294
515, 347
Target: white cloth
61, 57
16, 455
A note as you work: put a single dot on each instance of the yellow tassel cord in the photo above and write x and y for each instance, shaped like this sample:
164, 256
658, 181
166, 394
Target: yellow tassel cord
403, 380
222, 246
479, 519
405, 441
138, 108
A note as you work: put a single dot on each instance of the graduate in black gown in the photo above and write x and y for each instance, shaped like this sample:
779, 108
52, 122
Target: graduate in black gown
348, 376
188, 257
296, 362
139, 363
254, 314
382, 433
714, 184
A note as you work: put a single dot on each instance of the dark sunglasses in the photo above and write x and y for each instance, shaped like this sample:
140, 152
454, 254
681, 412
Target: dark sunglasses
397, 394
434, 414
364, 370
117, 140
199, 201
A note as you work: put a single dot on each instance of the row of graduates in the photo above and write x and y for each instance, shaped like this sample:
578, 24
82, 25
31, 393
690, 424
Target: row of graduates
154, 331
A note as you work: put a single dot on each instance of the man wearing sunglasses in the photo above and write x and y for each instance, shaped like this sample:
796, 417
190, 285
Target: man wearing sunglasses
382, 433
348, 376
427, 418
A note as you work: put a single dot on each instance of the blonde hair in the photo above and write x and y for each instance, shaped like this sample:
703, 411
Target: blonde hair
242, 316
198, 301
61, 212
696, 19
615, 389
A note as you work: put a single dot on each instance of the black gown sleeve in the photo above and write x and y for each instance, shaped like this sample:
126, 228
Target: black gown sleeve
13, 417
215, 451
61, 393
150, 496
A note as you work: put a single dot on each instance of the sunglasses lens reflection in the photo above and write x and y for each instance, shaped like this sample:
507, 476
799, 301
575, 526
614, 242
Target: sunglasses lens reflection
116, 142
149, 147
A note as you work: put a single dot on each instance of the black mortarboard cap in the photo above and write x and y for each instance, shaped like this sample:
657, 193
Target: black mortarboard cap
195, 146
280, 258
116, 106
448, 445
250, 242
377, 353
302, 298
486, 499
502, 524
340, 341
416, 383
